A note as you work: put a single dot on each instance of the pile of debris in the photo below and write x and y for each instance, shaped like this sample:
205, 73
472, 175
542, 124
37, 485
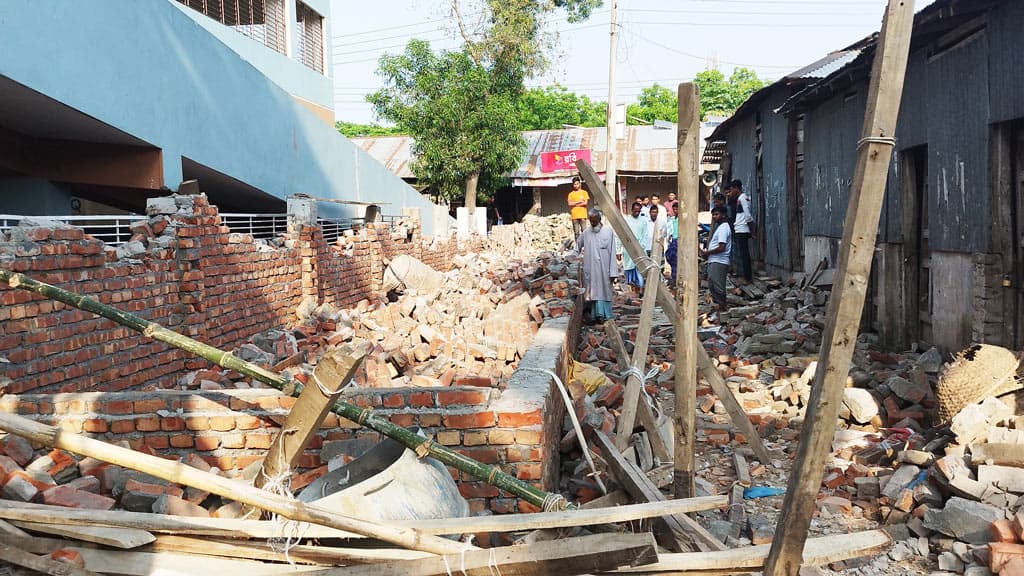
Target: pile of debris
57, 478
468, 326
549, 233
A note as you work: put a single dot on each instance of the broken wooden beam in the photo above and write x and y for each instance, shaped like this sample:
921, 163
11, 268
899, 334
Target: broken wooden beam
818, 552
304, 419
582, 555
635, 377
677, 531
298, 553
124, 538
645, 412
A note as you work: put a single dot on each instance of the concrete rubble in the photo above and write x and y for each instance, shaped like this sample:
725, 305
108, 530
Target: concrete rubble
944, 491
471, 330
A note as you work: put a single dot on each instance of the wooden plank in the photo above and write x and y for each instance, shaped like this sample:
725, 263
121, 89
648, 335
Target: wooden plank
646, 414
686, 292
9, 529
131, 563
231, 489
668, 306
849, 288
332, 372
819, 551
742, 469
259, 529
124, 538
258, 550
42, 564
586, 554
677, 532
634, 384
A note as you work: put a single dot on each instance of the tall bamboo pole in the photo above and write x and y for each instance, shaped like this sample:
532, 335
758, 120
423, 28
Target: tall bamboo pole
850, 287
686, 292
364, 417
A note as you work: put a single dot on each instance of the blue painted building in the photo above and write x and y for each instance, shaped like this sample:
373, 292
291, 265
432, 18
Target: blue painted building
106, 103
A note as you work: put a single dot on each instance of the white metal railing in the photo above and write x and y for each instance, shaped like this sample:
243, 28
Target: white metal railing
263, 226
112, 230
116, 230
332, 228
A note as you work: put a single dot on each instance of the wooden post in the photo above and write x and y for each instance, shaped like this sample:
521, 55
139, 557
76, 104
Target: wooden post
333, 370
635, 384
668, 305
686, 291
850, 287
644, 410
304, 419
677, 532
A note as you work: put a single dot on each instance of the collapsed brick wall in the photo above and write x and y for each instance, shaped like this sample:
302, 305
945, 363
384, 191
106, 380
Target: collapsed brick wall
517, 428
200, 279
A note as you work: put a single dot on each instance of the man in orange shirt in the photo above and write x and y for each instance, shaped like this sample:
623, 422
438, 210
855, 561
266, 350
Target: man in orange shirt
578, 199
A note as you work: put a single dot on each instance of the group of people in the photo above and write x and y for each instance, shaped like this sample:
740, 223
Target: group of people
729, 240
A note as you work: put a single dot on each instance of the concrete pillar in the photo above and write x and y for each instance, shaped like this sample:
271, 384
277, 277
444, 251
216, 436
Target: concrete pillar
302, 211
173, 174
291, 41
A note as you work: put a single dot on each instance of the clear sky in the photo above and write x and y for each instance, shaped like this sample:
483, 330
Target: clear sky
664, 41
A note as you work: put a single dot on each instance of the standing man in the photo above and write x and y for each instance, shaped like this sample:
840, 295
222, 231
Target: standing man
599, 268
658, 222
743, 227
673, 241
638, 225
578, 199
717, 254
645, 205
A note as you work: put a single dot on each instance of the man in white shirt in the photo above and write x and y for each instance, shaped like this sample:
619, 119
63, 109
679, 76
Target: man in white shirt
638, 225
658, 221
743, 227
717, 254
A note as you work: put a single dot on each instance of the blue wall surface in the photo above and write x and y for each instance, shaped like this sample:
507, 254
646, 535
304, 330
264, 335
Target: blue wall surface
150, 70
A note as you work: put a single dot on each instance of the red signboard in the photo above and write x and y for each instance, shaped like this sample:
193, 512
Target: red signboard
563, 160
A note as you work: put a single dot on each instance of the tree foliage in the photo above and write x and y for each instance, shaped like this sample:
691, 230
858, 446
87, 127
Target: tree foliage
722, 96
654, 103
460, 107
461, 117
356, 130
551, 107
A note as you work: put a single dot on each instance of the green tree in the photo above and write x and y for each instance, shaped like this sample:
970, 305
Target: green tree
654, 103
356, 130
460, 106
550, 107
460, 115
721, 96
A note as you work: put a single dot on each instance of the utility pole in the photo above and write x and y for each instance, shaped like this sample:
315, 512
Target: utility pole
609, 170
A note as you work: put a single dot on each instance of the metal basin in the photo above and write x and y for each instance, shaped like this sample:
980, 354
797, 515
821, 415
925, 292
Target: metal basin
389, 483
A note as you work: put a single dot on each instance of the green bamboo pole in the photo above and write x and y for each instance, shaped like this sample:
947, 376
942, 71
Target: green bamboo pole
365, 417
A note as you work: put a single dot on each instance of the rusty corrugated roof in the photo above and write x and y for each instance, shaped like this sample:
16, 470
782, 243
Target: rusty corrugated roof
645, 149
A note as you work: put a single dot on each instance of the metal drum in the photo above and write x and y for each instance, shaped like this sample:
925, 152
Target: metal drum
389, 483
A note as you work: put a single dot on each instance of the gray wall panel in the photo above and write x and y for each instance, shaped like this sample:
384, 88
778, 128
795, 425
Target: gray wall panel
958, 147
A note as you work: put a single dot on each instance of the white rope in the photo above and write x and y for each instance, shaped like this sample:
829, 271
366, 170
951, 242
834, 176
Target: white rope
492, 560
575, 424
646, 263
885, 140
291, 532
325, 390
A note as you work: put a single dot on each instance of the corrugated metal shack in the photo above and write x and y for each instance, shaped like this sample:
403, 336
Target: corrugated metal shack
949, 266
754, 146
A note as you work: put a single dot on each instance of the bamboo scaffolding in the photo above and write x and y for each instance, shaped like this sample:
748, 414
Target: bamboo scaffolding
364, 417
